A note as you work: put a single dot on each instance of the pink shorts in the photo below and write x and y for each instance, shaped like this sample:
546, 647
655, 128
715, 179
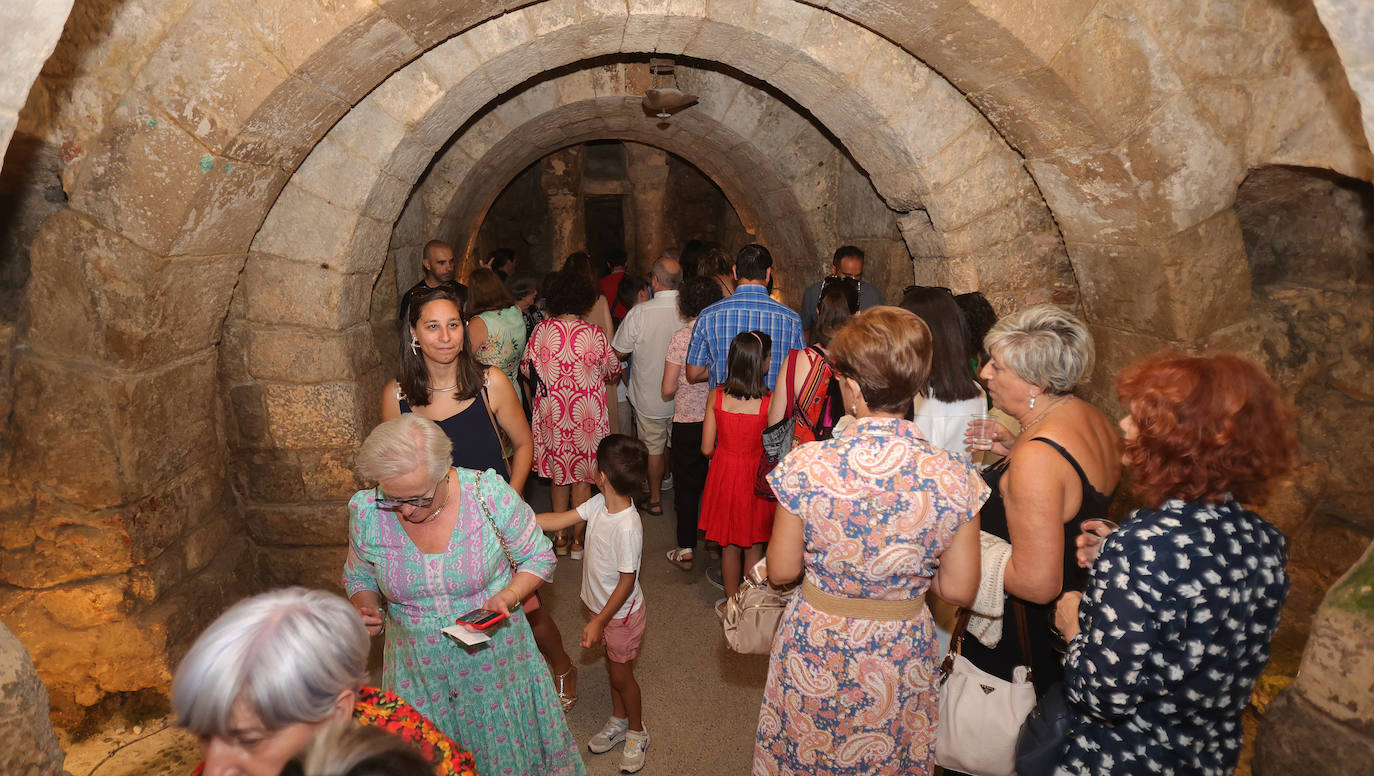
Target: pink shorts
622, 636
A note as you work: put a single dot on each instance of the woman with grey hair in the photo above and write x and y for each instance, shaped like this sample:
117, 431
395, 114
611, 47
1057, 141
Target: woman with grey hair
428, 544
1059, 470
278, 668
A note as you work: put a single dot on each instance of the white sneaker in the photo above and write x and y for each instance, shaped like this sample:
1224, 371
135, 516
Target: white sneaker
667, 482
632, 757
612, 733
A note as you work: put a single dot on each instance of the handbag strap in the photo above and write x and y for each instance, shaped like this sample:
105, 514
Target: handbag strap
791, 382
956, 639
496, 427
486, 512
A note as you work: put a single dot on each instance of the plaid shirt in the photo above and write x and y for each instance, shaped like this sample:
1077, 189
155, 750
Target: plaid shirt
748, 309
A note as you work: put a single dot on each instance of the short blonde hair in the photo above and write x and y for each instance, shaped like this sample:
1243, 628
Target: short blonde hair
886, 350
401, 445
1044, 346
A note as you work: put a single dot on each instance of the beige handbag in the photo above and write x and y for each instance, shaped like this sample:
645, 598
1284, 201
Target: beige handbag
752, 615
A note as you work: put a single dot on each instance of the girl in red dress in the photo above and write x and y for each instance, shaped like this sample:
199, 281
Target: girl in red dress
732, 437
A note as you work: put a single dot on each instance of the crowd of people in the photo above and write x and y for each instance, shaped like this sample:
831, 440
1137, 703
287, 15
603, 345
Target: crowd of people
940, 462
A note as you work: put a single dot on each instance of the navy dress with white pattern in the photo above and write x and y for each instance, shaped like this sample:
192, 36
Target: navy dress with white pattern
1176, 624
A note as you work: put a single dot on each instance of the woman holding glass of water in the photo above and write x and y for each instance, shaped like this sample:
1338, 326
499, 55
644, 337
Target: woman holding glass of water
1060, 470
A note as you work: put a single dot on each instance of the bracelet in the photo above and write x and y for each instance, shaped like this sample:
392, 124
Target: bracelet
514, 589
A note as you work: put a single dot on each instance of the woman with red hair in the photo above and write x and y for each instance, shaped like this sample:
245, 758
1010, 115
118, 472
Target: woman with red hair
1174, 628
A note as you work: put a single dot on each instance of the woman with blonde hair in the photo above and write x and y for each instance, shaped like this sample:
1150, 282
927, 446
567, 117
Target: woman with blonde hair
429, 543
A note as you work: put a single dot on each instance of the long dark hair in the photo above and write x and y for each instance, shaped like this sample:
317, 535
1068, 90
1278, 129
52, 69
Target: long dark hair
838, 300
748, 365
414, 377
950, 378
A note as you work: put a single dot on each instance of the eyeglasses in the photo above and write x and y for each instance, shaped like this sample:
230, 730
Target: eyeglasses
419, 502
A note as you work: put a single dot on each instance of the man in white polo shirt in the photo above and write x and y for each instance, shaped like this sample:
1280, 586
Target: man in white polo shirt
643, 338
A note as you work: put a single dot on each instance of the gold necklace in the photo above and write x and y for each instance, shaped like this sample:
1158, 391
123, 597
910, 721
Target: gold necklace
1047, 411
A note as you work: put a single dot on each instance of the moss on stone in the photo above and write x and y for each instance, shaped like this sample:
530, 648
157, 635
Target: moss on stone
1355, 591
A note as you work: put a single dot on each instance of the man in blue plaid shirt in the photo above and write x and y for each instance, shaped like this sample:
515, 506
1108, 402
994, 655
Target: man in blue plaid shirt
748, 309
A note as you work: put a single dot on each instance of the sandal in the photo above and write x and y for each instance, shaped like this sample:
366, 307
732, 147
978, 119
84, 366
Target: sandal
681, 557
576, 550
560, 545
560, 682
654, 508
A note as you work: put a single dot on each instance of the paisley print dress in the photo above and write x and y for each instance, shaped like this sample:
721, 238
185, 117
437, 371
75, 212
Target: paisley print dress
878, 504
573, 361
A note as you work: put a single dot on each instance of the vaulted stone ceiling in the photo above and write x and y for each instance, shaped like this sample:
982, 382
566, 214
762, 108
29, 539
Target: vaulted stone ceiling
237, 170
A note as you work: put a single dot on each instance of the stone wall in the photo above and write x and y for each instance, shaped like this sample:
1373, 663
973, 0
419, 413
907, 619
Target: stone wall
28, 745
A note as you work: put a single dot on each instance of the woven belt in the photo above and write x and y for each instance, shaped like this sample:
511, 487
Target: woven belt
861, 608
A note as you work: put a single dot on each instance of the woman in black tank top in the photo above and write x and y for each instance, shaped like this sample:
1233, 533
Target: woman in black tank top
441, 380
1059, 471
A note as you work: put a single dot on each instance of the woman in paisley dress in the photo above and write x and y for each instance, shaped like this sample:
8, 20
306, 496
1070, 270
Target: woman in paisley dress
570, 362
1167, 642
875, 516
428, 544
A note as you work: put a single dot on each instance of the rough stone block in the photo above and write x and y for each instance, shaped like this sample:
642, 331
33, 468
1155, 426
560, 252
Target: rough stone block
267, 476
315, 567
360, 57
187, 75
684, 17
1193, 173
315, 416
368, 132
28, 745
294, 30
991, 184
294, 355
181, 505
287, 124
71, 543
136, 308
1329, 430
230, 208
64, 438
432, 21
329, 474
1208, 276
1296, 737
333, 173
721, 33
305, 227
1038, 115
1094, 196
82, 605
205, 543
408, 93
1041, 26
249, 413
144, 177
163, 417
1118, 71
313, 525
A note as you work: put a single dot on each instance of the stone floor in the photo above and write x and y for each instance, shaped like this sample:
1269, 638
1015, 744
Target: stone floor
701, 700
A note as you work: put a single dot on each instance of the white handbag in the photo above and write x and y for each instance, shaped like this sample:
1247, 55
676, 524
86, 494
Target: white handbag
980, 714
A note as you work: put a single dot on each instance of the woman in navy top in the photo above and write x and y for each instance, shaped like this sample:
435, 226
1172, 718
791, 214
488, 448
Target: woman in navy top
1174, 627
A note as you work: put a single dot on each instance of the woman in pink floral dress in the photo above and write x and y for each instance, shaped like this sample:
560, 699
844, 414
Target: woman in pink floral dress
569, 361
875, 517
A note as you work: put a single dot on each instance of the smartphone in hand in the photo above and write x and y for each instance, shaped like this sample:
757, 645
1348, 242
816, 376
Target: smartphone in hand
481, 619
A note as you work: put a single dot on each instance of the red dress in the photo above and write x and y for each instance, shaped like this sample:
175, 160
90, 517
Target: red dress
730, 512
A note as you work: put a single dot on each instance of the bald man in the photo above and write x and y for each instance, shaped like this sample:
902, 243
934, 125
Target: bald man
439, 268
643, 338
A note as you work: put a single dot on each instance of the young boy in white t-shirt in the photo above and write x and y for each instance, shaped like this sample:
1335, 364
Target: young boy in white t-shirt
610, 587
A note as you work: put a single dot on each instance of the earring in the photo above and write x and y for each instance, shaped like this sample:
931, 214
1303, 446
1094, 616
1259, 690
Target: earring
854, 409
1032, 401
415, 348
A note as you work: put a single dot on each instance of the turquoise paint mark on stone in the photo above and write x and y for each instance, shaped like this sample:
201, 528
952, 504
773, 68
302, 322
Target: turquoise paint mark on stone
152, 122
228, 166
207, 163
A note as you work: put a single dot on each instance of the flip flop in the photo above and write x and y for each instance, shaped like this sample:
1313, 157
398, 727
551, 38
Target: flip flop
654, 508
